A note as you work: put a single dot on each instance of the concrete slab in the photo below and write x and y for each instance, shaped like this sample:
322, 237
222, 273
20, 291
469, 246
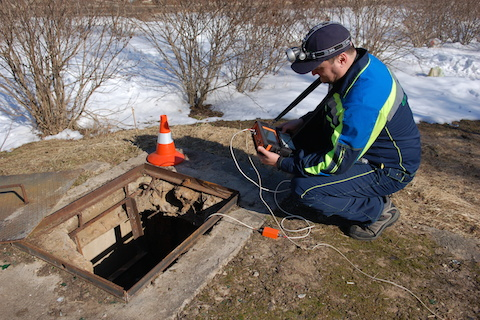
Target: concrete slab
170, 291
18, 216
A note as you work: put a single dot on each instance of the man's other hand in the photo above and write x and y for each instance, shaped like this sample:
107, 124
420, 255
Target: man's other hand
291, 126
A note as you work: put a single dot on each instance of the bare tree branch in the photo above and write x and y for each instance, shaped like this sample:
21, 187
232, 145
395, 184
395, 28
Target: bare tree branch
54, 54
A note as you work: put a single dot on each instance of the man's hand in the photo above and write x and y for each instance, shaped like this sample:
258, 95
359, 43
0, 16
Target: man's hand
267, 157
291, 126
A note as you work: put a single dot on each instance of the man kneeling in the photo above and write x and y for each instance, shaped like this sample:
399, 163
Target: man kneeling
360, 145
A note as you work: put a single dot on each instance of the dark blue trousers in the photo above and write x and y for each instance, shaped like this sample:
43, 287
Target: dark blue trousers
356, 195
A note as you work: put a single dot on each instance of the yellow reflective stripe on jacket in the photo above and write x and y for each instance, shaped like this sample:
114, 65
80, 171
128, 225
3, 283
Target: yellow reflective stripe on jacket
382, 118
337, 131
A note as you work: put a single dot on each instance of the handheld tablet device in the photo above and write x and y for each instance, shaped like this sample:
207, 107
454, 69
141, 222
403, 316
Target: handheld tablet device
272, 139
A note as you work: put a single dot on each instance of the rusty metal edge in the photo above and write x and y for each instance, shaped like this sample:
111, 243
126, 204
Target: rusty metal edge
90, 198
188, 181
98, 281
113, 288
183, 247
95, 195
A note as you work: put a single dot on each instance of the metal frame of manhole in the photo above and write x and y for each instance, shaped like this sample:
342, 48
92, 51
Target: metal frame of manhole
229, 199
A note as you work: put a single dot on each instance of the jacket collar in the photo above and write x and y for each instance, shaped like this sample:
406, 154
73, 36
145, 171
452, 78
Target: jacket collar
361, 61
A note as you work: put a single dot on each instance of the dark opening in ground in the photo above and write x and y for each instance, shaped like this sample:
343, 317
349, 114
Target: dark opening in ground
127, 261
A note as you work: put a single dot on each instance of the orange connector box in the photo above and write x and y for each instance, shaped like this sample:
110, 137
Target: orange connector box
270, 232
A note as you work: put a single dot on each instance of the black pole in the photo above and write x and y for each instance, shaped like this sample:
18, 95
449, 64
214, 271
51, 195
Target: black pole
302, 96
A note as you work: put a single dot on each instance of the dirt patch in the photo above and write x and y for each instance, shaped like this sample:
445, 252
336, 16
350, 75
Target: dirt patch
432, 251
203, 112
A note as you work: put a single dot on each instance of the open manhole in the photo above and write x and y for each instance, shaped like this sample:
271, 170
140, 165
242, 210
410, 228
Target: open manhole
123, 234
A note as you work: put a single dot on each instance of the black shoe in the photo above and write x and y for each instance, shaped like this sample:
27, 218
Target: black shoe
388, 217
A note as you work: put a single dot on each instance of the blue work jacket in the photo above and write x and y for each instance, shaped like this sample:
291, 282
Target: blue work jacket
366, 116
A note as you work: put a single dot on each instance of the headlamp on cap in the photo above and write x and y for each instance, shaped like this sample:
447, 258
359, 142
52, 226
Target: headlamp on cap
300, 54
295, 53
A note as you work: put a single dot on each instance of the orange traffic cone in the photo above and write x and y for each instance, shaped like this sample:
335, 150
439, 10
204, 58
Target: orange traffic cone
166, 154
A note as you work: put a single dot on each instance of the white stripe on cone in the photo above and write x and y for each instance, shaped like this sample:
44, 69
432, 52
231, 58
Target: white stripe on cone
164, 138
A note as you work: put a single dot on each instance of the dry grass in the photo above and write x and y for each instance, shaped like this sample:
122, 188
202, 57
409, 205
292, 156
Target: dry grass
265, 279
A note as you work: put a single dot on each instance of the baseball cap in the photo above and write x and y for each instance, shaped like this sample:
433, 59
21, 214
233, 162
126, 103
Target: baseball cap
324, 41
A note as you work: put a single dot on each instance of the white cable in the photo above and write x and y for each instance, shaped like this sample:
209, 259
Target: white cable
230, 217
306, 229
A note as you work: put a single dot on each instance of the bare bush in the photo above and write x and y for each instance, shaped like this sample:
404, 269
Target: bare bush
192, 39
373, 24
457, 21
207, 45
262, 39
419, 21
54, 54
461, 22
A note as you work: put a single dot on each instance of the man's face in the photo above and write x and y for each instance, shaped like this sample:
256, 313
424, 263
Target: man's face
328, 71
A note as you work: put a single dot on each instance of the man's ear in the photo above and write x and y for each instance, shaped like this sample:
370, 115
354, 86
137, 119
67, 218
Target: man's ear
343, 58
